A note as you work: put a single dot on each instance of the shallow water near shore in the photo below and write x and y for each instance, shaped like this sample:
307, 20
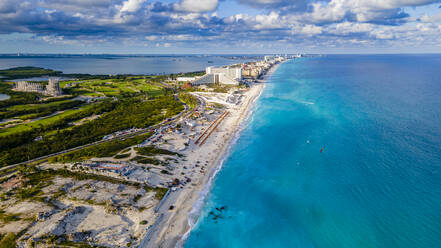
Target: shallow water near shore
377, 182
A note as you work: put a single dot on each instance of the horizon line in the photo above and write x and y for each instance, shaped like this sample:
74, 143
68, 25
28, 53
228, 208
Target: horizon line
209, 54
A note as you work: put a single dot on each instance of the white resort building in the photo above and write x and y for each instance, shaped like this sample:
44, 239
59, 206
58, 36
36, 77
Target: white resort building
186, 79
220, 75
29, 87
52, 88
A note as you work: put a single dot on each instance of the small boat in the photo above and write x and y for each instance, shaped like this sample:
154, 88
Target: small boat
322, 149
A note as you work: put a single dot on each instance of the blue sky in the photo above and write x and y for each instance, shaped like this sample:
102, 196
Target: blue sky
220, 26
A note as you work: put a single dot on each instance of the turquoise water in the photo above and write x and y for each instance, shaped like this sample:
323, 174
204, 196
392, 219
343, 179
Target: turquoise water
377, 182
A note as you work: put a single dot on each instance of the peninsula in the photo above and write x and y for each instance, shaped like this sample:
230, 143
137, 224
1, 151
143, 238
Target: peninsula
116, 161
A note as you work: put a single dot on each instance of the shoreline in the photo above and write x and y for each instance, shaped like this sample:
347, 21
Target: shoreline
174, 230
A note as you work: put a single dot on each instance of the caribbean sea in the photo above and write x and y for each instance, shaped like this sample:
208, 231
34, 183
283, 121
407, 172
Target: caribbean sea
341, 151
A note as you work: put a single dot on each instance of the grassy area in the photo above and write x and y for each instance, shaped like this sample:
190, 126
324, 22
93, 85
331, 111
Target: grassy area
188, 99
53, 121
8, 241
134, 112
107, 149
117, 87
152, 151
160, 193
141, 102
37, 109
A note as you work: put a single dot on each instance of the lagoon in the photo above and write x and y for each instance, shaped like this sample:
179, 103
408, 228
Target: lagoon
4, 97
120, 64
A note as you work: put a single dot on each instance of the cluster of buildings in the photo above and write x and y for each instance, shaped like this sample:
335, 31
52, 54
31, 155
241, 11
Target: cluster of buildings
230, 75
234, 75
254, 70
51, 89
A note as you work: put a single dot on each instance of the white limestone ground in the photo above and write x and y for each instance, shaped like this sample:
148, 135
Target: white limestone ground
98, 212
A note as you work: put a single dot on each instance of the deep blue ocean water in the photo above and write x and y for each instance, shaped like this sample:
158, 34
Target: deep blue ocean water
377, 182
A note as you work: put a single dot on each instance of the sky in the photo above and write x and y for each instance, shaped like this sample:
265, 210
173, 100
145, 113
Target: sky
220, 26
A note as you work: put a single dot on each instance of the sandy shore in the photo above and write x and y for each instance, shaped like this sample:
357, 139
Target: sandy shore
203, 162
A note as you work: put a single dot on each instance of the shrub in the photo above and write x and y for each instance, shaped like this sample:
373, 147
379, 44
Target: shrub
8, 241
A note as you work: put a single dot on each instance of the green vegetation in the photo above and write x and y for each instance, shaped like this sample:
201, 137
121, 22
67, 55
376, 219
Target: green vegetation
63, 241
130, 113
129, 87
6, 218
27, 193
16, 97
160, 193
144, 160
137, 101
188, 74
152, 151
188, 99
37, 179
27, 72
126, 150
46, 108
8, 241
49, 125
107, 149
121, 156
24, 133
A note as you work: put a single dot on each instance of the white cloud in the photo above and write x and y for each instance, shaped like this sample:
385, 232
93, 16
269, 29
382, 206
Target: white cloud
346, 28
311, 30
271, 21
195, 23
132, 5
197, 5
431, 18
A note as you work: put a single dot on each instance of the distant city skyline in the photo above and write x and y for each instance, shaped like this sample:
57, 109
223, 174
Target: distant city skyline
220, 27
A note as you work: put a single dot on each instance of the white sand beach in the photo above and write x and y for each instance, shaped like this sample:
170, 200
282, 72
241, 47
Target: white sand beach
203, 162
